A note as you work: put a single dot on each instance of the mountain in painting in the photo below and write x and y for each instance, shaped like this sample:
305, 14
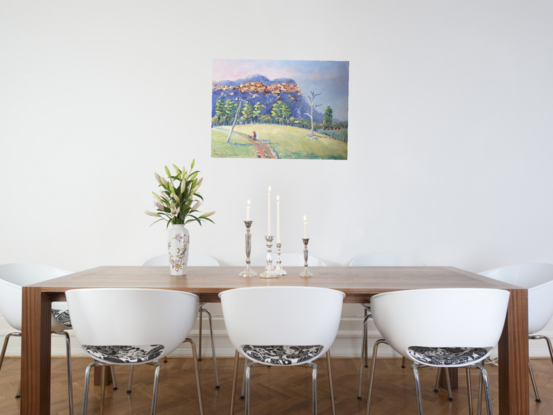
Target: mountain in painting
259, 89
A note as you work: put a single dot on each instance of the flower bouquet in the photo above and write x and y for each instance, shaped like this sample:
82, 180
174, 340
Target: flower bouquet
177, 203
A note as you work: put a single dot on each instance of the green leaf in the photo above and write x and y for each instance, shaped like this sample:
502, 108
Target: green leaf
193, 162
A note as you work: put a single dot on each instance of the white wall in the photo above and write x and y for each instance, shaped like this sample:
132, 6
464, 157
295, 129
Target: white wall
450, 130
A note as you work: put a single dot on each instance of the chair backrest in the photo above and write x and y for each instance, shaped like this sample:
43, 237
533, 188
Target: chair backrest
132, 317
289, 260
385, 260
195, 259
454, 317
283, 316
13, 277
538, 279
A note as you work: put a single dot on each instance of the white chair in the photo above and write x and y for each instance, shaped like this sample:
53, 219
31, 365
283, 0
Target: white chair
411, 326
195, 259
277, 326
538, 279
12, 279
290, 260
144, 326
380, 260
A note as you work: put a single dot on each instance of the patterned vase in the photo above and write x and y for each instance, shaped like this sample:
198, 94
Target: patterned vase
178, 245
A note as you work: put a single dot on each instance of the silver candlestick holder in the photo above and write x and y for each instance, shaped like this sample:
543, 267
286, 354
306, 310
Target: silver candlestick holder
305, 273
248, 272
278, 268
269, 269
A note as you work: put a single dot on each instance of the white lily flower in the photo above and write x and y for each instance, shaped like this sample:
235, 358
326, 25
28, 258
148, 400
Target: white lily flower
174, 211
197, 205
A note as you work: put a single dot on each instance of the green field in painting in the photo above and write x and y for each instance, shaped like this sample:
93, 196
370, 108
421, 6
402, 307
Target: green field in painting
240, 148
288, 142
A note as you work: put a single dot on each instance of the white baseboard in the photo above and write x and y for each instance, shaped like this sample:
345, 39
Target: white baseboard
347, 344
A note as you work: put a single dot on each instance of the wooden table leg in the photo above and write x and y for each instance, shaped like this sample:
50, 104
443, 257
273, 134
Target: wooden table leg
98, 376
453, 378
514, 389
35, 352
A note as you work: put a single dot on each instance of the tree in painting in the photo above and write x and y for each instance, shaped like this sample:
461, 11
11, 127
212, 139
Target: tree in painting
310, 115
327, 118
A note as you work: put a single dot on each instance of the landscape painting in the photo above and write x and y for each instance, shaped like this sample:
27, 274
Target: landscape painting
278, 109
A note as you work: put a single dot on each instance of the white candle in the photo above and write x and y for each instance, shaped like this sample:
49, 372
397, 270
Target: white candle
248, 211
305, 227
269, 212
278, 219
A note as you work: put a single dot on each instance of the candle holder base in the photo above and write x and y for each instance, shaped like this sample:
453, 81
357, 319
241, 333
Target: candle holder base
269, 269
278, 268
305, 273
280, 271
269, 274
248, 272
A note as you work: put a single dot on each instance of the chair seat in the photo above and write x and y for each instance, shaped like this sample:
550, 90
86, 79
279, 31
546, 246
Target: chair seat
446, 356
62, 317
282, 355
125, 354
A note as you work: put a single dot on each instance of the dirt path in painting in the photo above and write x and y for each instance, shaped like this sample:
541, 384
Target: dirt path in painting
263, 150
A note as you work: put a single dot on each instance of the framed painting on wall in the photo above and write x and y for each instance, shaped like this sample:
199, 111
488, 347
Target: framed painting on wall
278, 109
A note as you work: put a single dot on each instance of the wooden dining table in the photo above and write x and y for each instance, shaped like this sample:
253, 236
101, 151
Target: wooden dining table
358, 283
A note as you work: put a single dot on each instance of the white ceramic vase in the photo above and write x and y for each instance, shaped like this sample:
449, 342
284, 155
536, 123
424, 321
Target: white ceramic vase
178, 242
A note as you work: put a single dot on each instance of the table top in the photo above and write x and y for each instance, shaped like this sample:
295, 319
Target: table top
358, 283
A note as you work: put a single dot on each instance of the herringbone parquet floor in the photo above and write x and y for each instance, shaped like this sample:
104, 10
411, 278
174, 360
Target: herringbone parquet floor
275, 391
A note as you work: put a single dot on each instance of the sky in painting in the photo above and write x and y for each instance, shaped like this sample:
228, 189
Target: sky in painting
330, 78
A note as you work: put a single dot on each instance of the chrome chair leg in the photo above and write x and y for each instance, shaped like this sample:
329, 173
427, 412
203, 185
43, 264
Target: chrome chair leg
447, 381
247, 377
484, 374
113, 378
363, 356
69, 376
4, 348
437, 386
548, 340
469, 390
200, 335
330, 382
417, 386
314, 381
213, 348
195, 358
533, 381
243, 394
449, 395
234, 378
366, 339
480, 384
86, 386
129, 390
103, 390
156, 384
371, 378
